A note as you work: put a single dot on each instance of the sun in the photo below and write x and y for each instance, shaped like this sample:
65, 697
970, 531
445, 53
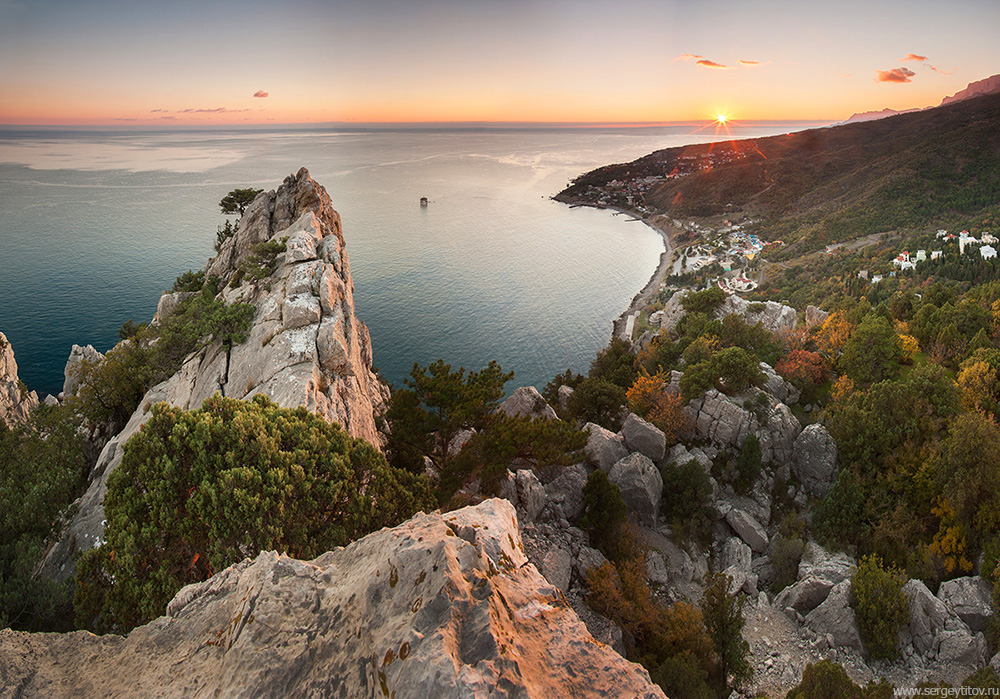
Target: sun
721, 118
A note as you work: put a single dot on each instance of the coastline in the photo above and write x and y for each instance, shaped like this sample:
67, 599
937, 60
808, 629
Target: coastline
643, 297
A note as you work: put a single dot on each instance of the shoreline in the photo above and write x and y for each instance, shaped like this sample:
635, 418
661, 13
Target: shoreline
642, 298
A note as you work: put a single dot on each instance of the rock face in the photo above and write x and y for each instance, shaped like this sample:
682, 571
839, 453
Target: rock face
306, 347
526, 401
727, 421
15, 403
775, 317
604, 448
440, 606
815, 461
78, 356
644, 437
970, 598
641, 486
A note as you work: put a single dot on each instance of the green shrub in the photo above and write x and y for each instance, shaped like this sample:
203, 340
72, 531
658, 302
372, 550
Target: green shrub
748, 464
260, 263
190, 281
598, 401
200, 490
880, 606
687, 494
786, 551
723, 613
42, 471
825, 680
707, 301
615, 364
603, 510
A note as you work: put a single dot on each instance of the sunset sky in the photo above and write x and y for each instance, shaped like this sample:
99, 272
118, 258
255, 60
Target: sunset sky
181, 62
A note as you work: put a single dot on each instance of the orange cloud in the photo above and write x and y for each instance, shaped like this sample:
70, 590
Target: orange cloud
913, 57
896, 75
710, 64
750, 63
217, 110
260, 93
687, 57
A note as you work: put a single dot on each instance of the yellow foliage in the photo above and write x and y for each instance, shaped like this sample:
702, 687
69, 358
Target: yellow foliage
996, 313
978, 381
948, 545
842, 389
834, 334
909, 347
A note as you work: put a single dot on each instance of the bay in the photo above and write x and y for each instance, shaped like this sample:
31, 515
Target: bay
95, 225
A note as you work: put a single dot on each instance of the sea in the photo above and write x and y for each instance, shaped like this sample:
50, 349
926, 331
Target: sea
96, 224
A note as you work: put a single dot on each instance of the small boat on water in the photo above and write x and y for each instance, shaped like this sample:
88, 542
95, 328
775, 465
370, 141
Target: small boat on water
423, 201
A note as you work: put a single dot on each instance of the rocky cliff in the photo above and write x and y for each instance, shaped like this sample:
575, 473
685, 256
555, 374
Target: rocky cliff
15, 400
440, 606
306, 346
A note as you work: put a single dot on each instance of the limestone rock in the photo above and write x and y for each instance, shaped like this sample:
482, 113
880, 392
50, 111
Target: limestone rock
643, 437
656, 569
960, 647
681, 455
15, 403
305, 348
805, 595
604, 448
641, 486
168, 303
586, 560
557, 567
928, 615
776, 385
565, 393
566, 490
836, 618
817, 562
815, 462
748, 529
78, 356
440, 606
530, 493
735, 554
726, 421
775, 317
526, 401
815, 316
970, 598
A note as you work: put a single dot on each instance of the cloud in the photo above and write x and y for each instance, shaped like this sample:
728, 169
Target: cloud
154, 111
710, 64
217, 110
687, 57
896, 75
938, 70
913, 57
260, 93
750, 63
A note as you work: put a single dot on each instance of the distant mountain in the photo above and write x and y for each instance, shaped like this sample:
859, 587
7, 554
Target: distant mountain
987, 86
824, 185
871, 116
979, 88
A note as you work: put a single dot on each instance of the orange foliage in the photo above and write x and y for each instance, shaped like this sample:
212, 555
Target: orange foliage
802, 366
949, 542
909, 347
842, 390
978, 381
652, 398
834, 334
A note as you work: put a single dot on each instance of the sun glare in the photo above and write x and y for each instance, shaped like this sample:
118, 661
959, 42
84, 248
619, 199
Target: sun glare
721, 118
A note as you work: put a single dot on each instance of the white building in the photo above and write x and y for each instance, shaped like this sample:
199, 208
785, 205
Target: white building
921, 255
988, 252
935, 254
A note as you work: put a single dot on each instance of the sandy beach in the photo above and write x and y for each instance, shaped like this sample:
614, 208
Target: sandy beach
662, 225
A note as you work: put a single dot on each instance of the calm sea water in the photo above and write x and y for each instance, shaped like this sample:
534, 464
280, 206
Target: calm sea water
94, 226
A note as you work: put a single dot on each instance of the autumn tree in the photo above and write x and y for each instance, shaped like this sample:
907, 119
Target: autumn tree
872, 352
652, 398
979, 382
834, 334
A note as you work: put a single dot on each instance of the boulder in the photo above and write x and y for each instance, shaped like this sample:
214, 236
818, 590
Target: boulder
836, 618
777, 387
748, 529
460, 439
557, 567
78, 356
970, 598
804, 596
775, 317
526, 401
565, 393
817, 562
815, 316
735, 554
928, 615
656, 569
566, 490
169, 302
604, 448
641, 486
960, 647
815, 461
643, 437
15, 401
530, 493
410, 611
586, 560
681, 455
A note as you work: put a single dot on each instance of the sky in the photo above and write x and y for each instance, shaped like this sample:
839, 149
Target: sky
187, 63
